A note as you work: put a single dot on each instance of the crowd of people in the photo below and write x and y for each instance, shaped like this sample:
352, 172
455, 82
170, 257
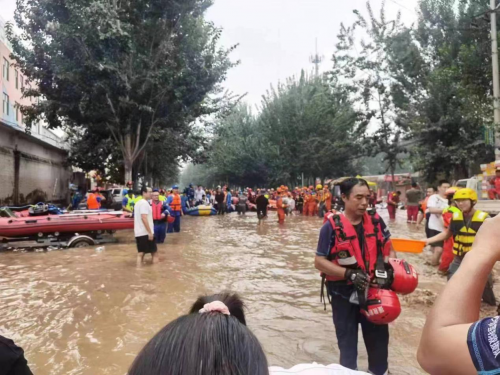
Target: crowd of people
360, 271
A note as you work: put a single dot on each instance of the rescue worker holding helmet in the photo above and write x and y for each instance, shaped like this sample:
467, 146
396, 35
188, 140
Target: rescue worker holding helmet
463, 228
353, 256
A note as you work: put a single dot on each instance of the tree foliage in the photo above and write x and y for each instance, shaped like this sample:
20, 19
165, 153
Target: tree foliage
305, 126
126, 70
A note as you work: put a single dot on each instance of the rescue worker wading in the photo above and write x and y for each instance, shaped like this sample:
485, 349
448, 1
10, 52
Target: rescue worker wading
463, 227
353, 251
175, 203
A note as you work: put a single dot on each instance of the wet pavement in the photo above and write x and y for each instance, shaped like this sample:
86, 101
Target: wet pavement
80, 311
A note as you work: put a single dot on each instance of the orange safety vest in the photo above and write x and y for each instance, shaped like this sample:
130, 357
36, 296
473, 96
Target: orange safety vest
92, 203
176, 204
346, 251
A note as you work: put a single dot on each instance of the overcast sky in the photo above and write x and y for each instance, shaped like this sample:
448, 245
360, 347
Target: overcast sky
277, 37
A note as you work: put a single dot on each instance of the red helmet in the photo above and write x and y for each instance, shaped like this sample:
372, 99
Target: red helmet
382, 306
405, 276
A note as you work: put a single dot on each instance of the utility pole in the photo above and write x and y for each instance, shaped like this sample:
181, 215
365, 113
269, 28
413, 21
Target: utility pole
496, 77
316, 59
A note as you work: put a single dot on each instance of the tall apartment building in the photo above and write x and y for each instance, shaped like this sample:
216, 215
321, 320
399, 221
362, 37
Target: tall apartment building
32, 164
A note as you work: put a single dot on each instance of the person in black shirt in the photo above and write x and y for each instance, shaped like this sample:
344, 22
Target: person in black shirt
262, 203
12, 361
221, 204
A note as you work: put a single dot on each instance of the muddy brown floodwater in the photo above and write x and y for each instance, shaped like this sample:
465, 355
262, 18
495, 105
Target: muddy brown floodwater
79, 311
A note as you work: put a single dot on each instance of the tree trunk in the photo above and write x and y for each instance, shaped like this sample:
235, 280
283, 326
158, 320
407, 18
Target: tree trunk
128, 161
128, 170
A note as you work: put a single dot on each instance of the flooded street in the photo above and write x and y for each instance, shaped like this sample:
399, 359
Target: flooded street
80, 311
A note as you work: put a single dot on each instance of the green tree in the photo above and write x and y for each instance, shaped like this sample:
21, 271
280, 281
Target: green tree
370, 85
120, 69
442, 70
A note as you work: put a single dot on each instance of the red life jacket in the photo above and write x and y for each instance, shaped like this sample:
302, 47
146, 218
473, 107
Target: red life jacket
496, 183
157, 210
176, 203
348, 253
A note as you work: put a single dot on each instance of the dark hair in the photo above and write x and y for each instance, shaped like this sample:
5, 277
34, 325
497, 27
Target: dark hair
228, 189
347, 185
441, 182
432, 187
144, 189
231, 300
138, 192
414, 185
398, 192
209, 344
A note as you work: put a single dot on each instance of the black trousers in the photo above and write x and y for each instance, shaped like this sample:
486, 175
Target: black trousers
220, 208
346, 318
261, 212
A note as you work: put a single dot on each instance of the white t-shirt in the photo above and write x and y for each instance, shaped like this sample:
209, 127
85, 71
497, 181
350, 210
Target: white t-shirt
314, 369
198, 195
142, 208
436, 221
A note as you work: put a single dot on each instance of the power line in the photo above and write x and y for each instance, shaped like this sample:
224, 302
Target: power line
403, 6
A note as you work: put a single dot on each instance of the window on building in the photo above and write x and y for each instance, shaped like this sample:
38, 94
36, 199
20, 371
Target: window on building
17, 78
22, 80
5, 104
17, 111
5, 69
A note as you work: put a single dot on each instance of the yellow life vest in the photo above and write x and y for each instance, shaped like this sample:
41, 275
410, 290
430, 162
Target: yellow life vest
130, 203
162, 198
465, 233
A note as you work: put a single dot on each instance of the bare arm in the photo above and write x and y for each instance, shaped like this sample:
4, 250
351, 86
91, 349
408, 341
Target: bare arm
324, 265
443, 348
443, 236
145, 221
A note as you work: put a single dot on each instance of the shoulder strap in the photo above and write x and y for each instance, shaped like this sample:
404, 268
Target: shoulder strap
380, 272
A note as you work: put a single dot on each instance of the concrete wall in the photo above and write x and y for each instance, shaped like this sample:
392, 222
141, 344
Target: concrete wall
31, 170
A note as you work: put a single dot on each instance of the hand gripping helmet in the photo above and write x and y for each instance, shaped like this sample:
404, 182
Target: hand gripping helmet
405, 276
382, 306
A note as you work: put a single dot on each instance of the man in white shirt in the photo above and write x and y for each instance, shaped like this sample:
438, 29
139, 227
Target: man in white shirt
435, 205
144, 227
198, 195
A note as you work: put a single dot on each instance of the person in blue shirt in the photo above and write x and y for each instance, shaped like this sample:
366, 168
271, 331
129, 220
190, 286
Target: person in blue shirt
128, 201
454, 340
229, 200
77, 198
190, 195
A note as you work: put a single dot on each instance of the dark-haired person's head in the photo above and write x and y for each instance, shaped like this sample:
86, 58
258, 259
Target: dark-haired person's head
414, 185
146, 192
356, 195
398, 192
208, 343
231, 300
443, 185
431, 190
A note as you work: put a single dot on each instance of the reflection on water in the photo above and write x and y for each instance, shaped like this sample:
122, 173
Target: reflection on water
82, 312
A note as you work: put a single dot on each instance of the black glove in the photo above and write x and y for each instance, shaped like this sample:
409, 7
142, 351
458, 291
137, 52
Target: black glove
359, 278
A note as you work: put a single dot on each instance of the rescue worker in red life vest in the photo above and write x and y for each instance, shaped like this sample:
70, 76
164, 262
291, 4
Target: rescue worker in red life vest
392, 203
495, 182
160, 213
351, 246
175, 203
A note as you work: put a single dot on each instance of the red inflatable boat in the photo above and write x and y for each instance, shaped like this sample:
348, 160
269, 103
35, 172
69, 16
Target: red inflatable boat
70, 223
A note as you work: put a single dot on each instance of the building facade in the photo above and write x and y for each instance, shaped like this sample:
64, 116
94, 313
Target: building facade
32, 164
